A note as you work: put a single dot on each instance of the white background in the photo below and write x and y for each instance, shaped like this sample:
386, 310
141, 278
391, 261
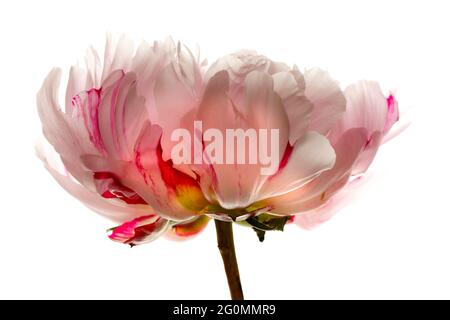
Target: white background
392, 242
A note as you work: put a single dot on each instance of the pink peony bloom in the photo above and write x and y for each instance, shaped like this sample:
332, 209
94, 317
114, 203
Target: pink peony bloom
114, 147
108, 136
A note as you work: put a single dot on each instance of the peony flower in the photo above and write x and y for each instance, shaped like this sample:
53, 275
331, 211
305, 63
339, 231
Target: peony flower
113, 145
108, 136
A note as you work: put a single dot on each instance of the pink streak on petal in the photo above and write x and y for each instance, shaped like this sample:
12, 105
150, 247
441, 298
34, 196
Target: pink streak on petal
286, 156
115, 93
392, 114
110, 187
136, 231
90, 116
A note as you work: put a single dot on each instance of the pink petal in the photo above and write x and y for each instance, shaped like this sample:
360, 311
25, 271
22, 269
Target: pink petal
318, 191
403, 122
118, 56
115, 210
327, 98
311, 155
398, 128
113, 115
368, 155
366, 108
255, 107
239, 64
187, 230
55, 126
58, 129
290, 87
140, 230
75, 85
313, 218
171, 193
224, 180
109, 186
392, 113
264, 108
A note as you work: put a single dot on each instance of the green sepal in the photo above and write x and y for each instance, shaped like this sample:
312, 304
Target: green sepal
260, 233
267, 222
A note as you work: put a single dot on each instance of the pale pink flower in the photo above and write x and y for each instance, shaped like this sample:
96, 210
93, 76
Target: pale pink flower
113, 137
312, 113
108, 136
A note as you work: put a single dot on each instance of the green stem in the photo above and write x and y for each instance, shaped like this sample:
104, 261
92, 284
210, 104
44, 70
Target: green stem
225, 243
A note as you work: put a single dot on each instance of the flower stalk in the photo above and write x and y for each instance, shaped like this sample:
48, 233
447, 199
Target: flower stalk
225, 243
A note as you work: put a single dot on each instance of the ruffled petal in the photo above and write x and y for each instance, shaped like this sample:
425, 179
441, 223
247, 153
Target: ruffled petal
177, 91
318, 191
313, 218
311, 155
220, 178
187, 230
404, 122
264, 107
290, 87
171, 193
257, 107
327, 98
366, 108
392, 113
239, 64
113, 209
58, 129
139, 231
54, 125
118, 55
112, 115
368, 155
75, 85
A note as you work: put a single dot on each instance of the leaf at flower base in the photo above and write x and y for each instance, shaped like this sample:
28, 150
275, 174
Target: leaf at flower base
260, 233
267, 222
